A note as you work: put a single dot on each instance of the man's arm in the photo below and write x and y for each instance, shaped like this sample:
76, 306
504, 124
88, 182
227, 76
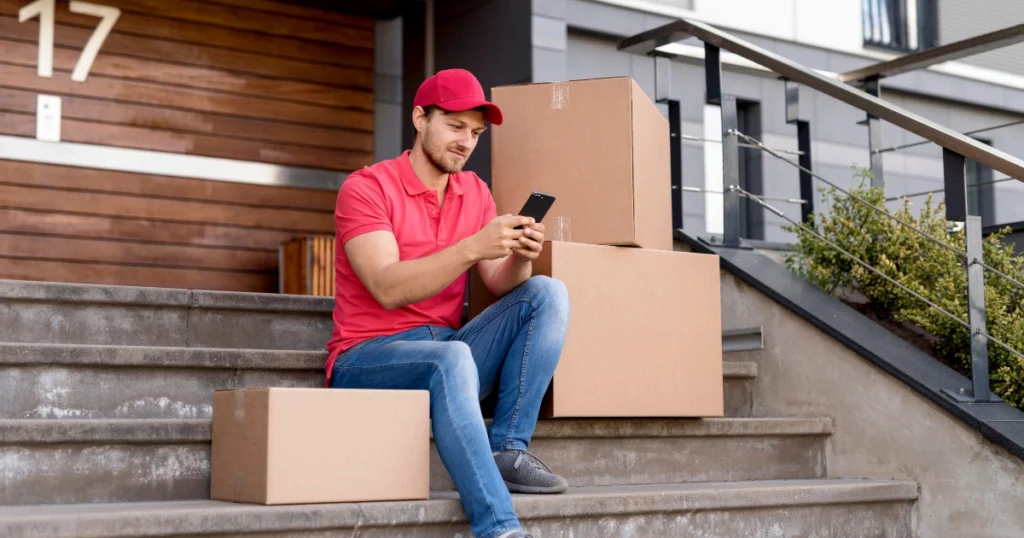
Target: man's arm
393, 283
505, 274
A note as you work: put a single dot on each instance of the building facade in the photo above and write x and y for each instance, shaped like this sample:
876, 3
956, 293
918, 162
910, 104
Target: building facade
196, 137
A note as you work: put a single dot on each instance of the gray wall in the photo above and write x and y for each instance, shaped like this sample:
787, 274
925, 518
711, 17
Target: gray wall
838, 141
387, 110
510, 41
960, 19
500, 41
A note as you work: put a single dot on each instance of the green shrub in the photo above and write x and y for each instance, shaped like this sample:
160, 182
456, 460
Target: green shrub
922, 266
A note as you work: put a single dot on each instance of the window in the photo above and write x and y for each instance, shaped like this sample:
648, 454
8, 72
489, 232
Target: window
901, 25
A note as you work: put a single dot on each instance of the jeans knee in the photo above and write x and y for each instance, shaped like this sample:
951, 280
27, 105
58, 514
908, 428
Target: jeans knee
549, 294
458, 369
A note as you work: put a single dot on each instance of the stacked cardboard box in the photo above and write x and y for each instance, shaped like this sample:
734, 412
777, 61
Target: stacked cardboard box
298, 445
644, 334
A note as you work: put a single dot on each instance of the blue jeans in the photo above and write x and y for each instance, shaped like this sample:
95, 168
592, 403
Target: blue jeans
513, 347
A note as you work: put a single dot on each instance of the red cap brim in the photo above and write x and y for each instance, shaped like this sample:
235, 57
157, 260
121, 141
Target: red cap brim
492, 114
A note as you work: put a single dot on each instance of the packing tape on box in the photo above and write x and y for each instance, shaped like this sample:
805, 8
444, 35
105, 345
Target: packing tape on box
240, 407
559, 95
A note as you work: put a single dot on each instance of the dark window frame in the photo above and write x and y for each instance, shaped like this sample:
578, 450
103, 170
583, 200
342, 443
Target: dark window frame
892, 15
751, 170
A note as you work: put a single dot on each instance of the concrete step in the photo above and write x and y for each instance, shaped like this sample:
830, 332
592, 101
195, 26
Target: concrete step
799, 508
85, 381
82, 461
122, 315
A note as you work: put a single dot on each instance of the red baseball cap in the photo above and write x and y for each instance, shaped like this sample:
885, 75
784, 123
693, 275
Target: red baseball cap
456, 90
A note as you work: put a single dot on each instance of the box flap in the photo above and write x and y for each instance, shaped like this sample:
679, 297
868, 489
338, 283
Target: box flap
652, 173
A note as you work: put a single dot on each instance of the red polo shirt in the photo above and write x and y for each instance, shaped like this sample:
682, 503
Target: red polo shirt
389, 196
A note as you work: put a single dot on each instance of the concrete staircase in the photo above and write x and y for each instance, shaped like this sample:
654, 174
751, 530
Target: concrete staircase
104, 431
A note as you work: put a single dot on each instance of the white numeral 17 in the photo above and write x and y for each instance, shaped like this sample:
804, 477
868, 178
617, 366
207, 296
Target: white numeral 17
45, 10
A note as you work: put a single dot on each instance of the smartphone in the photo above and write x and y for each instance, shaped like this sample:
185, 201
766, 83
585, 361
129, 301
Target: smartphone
536, 206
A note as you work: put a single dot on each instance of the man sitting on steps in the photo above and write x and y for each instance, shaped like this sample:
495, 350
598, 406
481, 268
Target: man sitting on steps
408, 230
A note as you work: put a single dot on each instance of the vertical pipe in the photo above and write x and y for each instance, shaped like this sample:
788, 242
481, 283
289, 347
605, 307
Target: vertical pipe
713, 129
675, 129
956, 210
871, 86
976, 306
731, 172
428, 40
663, 94
803, 134
803, 137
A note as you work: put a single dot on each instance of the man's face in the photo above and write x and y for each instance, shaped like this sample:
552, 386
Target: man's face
450, 137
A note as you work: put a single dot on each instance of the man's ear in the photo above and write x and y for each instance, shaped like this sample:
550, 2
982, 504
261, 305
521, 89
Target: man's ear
419, 119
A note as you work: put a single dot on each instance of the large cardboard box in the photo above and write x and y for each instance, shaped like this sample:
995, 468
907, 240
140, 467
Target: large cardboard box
599, 146
645, 332
291, 445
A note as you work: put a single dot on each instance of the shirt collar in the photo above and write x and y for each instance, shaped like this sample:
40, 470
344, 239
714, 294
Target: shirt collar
414, 186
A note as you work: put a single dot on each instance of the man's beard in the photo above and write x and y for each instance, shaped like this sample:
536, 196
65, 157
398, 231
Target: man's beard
440, 158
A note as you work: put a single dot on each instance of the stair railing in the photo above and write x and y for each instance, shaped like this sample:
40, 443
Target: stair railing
956, 148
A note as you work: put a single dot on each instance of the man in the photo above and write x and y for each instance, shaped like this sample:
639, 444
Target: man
408, 230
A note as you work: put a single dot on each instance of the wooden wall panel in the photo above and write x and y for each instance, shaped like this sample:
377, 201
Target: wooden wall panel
139, 230
133, 275
211, 61
174, 120
106, 251
301, 60
129, 91
85, 179
179, 142
271, 44
254, 80
119, 205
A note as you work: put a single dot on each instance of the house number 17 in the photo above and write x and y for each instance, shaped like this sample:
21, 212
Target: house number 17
46, 9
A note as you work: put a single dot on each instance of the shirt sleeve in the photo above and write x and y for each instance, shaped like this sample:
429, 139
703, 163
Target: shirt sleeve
361, 208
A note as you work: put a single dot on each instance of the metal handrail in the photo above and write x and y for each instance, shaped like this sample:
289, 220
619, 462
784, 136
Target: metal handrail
957, 147
773, 198
878, 210
650, 40
926, 142
933, 191
755, 142
868, 266
945, 53
691, 138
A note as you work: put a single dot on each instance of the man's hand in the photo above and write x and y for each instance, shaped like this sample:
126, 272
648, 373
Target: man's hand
499, 238
531, 243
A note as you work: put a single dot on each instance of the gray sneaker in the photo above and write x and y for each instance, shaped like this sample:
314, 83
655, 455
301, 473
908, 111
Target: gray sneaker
525, 473
516, 534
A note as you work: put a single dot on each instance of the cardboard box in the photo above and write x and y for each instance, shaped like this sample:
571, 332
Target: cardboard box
645, 332
291, 445
599, 146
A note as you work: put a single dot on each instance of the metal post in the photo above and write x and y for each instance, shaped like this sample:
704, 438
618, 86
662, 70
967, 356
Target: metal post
803, 137
663, 94
730, 146
956, 210
662, 78
712, 74
872, 87
731, 171
976, 306
675, 132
